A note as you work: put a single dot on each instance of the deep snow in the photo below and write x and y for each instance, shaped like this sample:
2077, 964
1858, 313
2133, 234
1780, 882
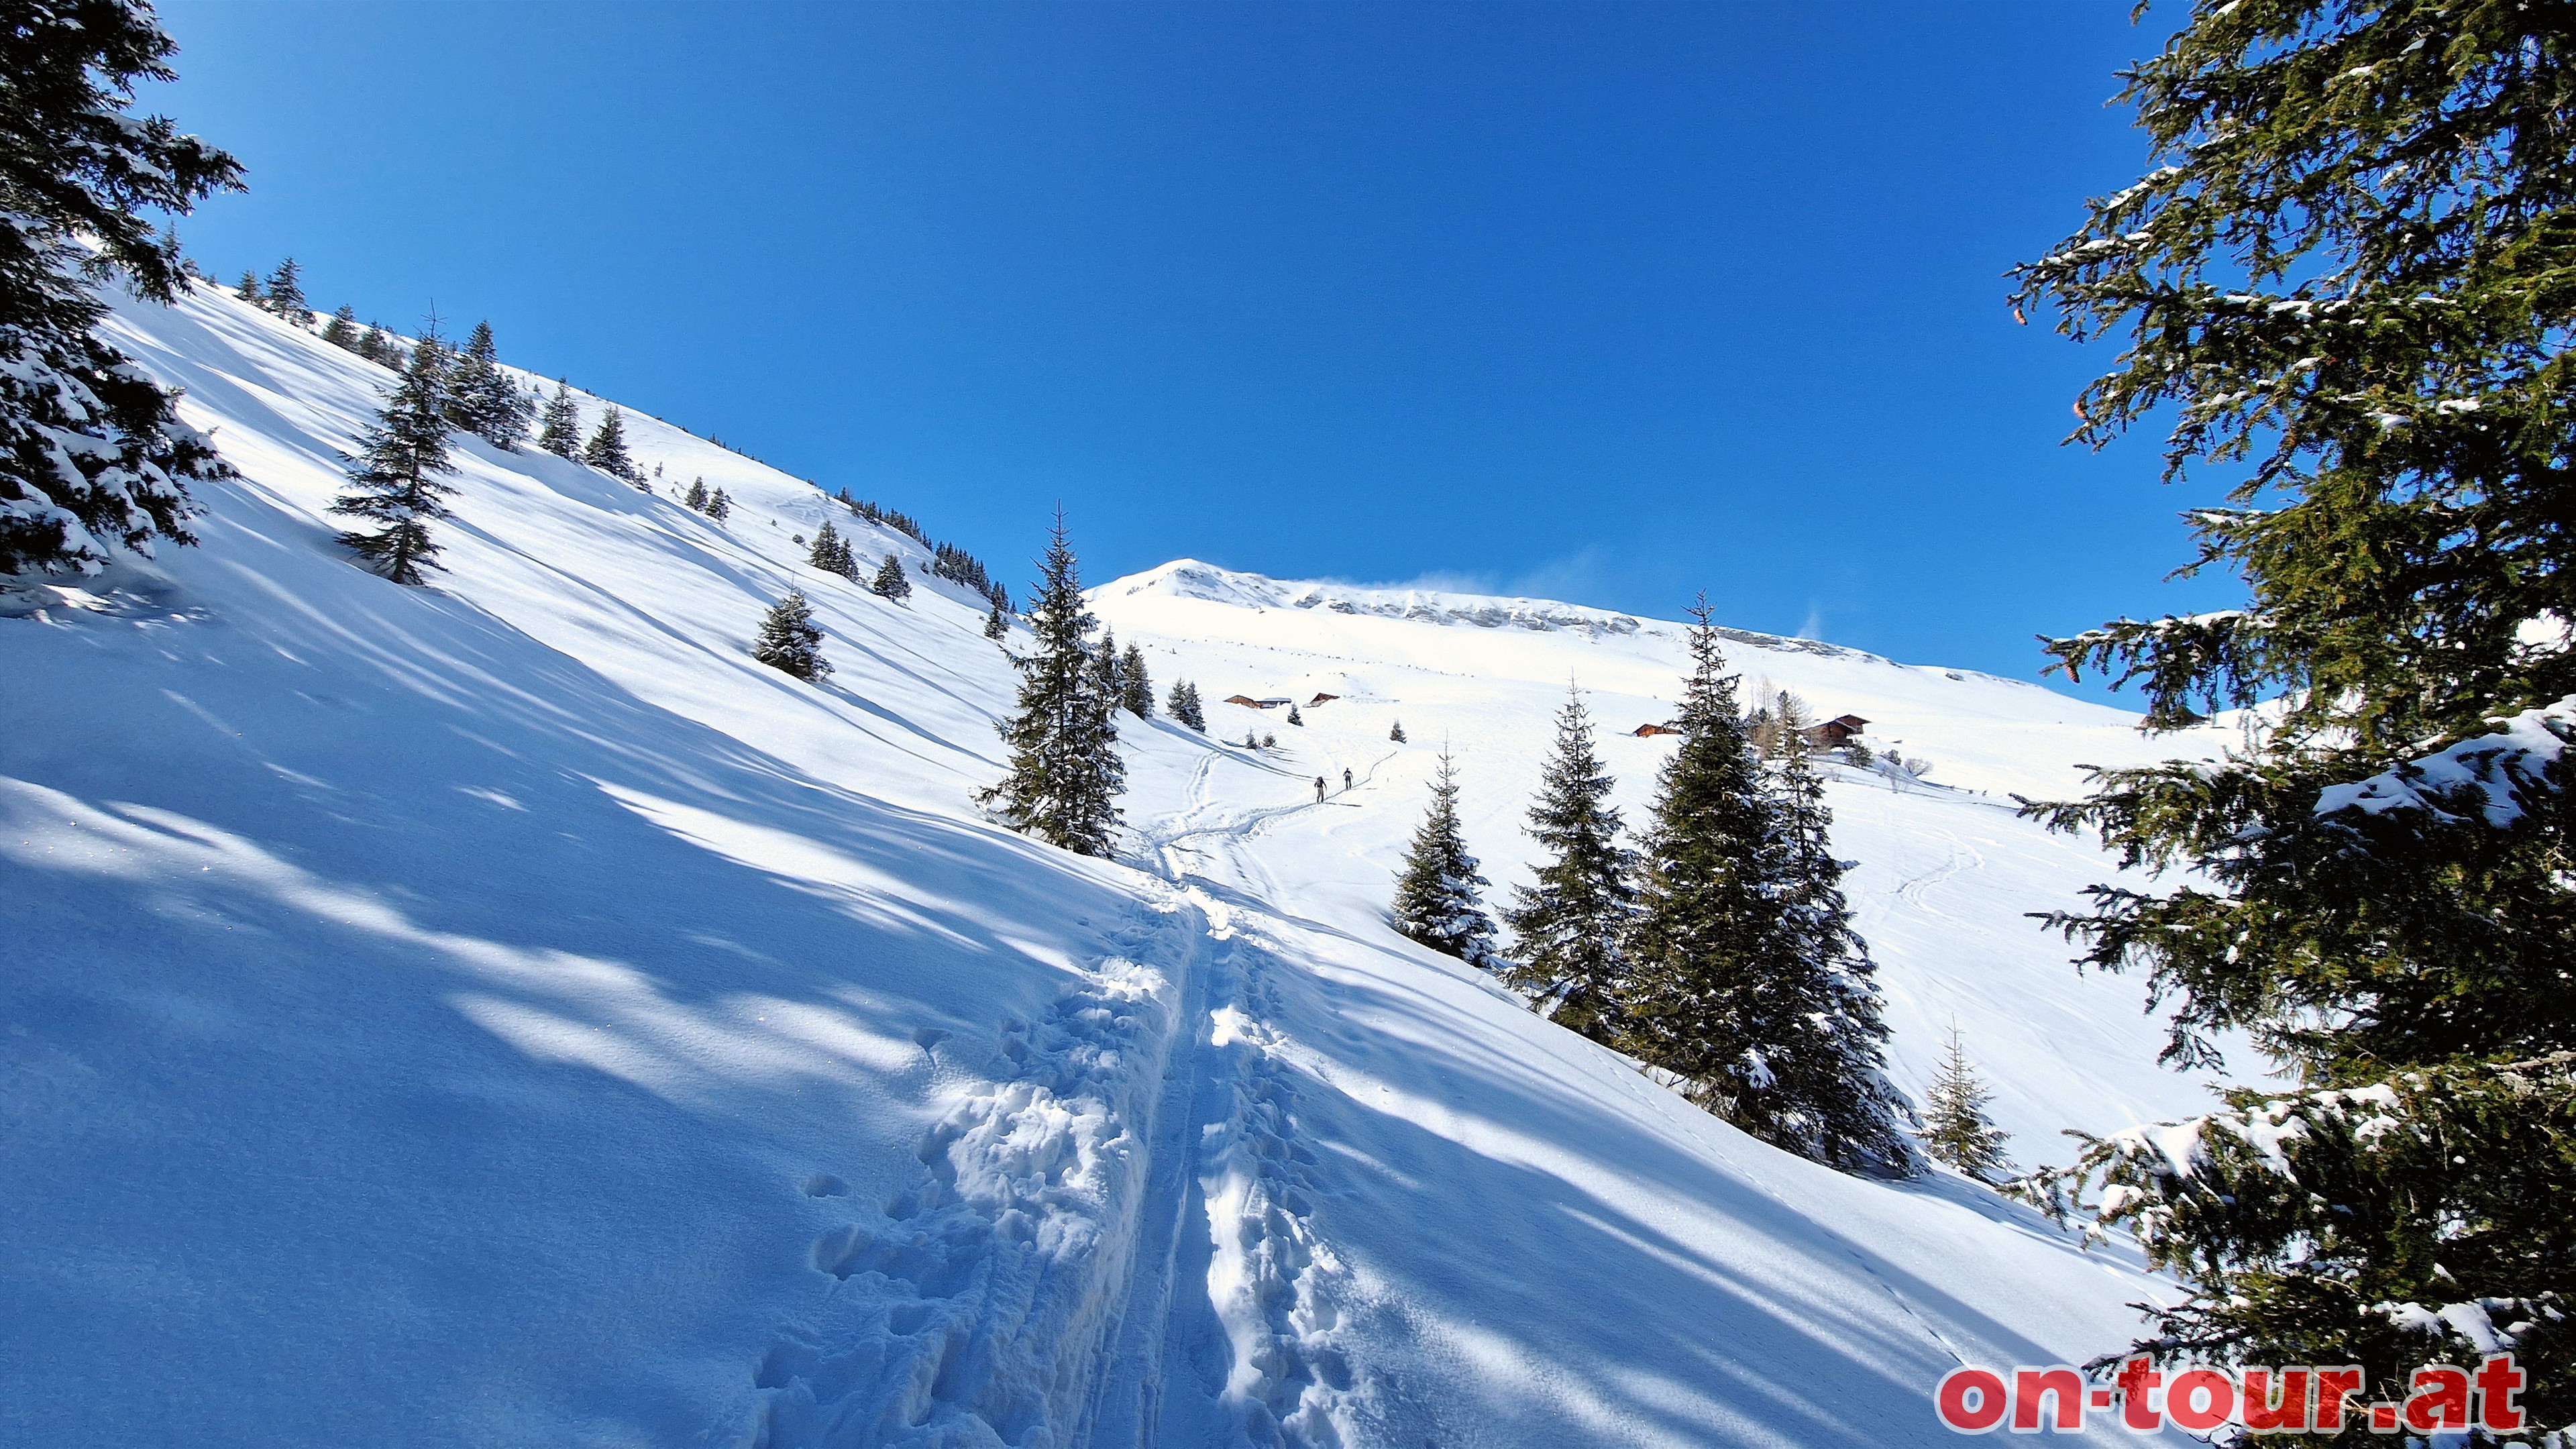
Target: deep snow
502, 1013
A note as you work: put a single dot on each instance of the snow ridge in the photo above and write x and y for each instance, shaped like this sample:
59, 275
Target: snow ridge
974, 1312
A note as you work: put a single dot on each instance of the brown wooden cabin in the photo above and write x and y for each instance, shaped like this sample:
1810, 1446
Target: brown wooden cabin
1643, 730
1835, 733
1321, 699
1277, 701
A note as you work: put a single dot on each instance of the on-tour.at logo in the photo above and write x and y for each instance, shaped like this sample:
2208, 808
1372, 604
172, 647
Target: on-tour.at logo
2300, 1400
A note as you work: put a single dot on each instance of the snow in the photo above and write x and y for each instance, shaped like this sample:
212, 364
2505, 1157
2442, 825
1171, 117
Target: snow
502, 1012
2488, 773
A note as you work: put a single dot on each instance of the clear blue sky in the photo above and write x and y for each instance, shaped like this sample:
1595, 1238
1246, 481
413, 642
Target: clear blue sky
1607, 302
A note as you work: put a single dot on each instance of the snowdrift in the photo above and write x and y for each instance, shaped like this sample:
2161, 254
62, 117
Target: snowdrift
502, 1013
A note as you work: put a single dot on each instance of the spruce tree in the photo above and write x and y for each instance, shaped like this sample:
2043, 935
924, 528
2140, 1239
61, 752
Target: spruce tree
1295, 718
248, 288
790, 641
1396, 732
829, 552
2343, 281
606, 449
285, 295
1066, 774
482, 400
1736, 983
696, 497
342, 330
561, 431
371, 343
1436, 899
1185, 706
1569, 926
92, 454
1001, 598
1956, 1129
395, 478
1105, 659
1135, 690
995, 626
891, 581
719, 505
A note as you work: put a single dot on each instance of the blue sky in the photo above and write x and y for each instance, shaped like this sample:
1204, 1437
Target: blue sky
1611, 303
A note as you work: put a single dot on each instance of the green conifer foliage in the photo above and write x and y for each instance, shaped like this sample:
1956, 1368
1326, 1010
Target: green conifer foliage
561, 431
829, 552
1135, 689
482, 399
342, 330
790, 641
1395, 732
1956, 1129
1569, 926
248, 288
92, 454
696, 497
606, 449
1185, 707
1066, 773
892, 582
1436, 890
996, 627
395, 478
1744, 978
719, 505
2346, 280
285, 294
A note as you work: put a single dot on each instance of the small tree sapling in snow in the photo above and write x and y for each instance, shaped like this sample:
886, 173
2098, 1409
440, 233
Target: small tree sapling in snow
1295, 718
996, 627
696, 497
1956, 1129
1436, 899
790, 641
719, 505
395, 476
891, 581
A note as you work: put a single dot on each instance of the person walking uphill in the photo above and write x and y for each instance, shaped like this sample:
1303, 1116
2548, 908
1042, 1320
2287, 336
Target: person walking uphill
1319, 789
1346, 781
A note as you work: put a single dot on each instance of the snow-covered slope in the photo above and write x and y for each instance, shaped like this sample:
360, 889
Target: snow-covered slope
501, 1013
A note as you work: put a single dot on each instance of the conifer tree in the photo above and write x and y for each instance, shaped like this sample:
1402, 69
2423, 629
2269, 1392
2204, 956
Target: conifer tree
483, 401
1568, 927
891, 581
1724, 988
342, 330
285, 295
1184, 705
1396, 732
1251, 740
696, 497
1436, 898
829, 552
1066, 774
1135, 690
606, 449
719, 505
1956, 1129
395, 478
561, 432
1294, 717
790, 641
92, 453
1105, 659
248, 288
2344, 281
996, 627
371, 344
1001, 598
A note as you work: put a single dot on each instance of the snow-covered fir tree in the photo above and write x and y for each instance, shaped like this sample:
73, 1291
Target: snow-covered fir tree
719, 505
1395, 732
1001, 598
1724, 986
1185, 707
696, 497
560, 432
1066, 774
481, 398
375, 346
790, 641
1437, 897
1135, 689
1296, 718
829, 552
248, 288
342, 330
1956, 1129
396, 477
1568, 927
92, 454
284, 295
996, 627
606, 449
891, 582
1105, 659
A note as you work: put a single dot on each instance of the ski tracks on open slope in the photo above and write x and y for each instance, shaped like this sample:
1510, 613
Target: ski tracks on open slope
1110, 1243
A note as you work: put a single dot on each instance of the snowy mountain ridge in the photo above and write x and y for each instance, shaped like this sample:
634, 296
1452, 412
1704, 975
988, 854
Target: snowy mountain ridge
504, 1012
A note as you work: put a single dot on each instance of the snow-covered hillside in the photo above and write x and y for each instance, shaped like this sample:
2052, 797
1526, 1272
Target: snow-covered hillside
502, 1013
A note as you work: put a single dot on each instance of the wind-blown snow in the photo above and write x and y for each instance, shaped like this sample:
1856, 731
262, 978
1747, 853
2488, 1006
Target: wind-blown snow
502, 1012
